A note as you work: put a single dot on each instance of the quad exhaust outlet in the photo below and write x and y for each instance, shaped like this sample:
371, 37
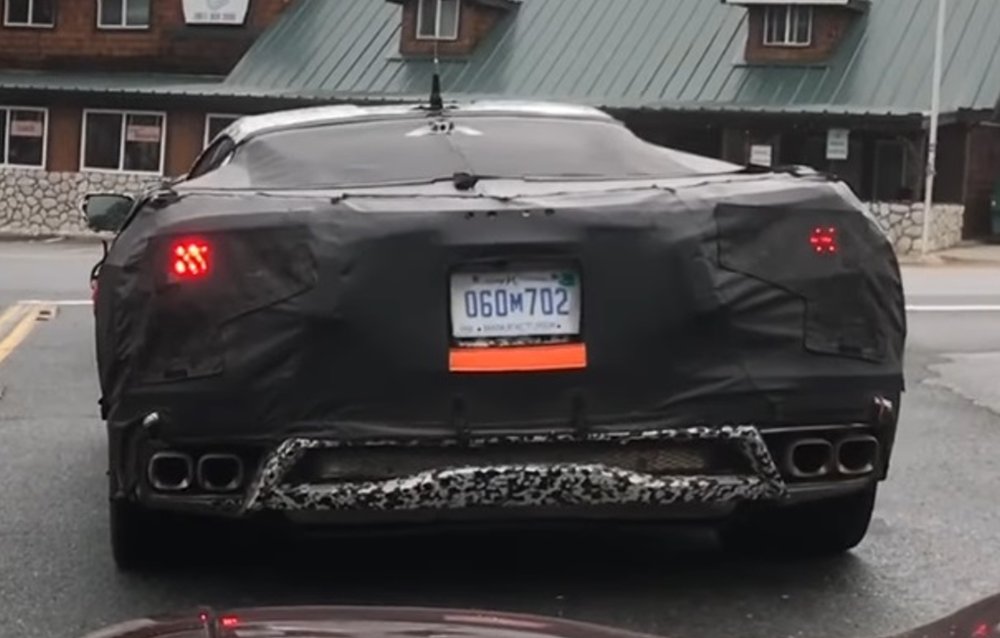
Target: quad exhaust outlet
809, 458
172, 471
220, 472
856, 455
814, 457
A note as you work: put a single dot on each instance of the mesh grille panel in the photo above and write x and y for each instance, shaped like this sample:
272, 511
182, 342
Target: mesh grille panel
376, 463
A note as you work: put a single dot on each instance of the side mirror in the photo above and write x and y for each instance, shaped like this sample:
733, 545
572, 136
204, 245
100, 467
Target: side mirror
106, 211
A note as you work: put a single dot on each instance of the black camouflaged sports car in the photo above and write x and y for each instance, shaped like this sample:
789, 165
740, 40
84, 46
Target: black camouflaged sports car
486, 311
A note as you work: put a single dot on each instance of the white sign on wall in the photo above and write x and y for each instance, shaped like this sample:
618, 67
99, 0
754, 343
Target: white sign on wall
760, 154
215, 11
141, 133
838, 143
26, 128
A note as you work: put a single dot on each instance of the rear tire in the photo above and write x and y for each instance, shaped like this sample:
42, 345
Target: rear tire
821, 528
149, 540
137, 536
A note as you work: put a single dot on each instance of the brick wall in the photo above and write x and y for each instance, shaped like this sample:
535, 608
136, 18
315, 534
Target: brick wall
167, 45
829, 26
475, 23
983, 162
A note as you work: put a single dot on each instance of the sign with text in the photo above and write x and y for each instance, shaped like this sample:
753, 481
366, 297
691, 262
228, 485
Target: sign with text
142, 133
26, 128
838, 143
215, 11
760, 154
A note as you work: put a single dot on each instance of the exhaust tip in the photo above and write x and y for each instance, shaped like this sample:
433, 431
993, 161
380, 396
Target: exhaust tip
809, 458
220, 472
170, 471
857, 455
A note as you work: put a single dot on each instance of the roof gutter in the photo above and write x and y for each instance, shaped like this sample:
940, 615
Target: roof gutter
952, 117
964, 116
162, 100
752, 117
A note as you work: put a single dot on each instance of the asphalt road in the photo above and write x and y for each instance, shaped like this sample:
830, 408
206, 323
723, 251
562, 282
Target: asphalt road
934, 545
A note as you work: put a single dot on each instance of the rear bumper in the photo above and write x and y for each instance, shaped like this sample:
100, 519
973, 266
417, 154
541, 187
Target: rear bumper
527, 489
526, 485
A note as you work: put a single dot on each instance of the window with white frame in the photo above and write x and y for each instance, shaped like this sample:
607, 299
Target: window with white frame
128, 141
123, 14
29, 13
438, 19
214, 124
788, 25
23, 136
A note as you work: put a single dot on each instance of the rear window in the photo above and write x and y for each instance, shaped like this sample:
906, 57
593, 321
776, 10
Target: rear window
416, 151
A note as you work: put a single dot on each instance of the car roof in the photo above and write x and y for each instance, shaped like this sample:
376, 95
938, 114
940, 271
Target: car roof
251, 125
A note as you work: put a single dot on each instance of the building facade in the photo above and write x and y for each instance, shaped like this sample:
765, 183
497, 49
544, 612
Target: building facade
115, 93
88, 99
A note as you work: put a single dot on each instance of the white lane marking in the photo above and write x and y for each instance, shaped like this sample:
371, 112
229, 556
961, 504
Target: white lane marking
80, 254
954, 308
59, 302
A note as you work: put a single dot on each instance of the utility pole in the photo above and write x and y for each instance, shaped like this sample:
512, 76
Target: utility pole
931, 169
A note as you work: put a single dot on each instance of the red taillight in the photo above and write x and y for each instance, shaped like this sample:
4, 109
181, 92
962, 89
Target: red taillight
225, 622
190, 259
824, 240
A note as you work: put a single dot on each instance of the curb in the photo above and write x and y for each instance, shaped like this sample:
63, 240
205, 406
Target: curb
969, 261
52, 238
945, 260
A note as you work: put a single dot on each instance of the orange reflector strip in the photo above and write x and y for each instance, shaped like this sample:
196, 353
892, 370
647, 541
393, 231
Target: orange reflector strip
564, 356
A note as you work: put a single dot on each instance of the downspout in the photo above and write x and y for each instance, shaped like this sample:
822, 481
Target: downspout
933, 133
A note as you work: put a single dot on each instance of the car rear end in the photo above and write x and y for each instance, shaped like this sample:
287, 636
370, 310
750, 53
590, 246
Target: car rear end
641, 353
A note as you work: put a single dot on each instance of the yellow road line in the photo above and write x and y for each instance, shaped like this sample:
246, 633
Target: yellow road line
19, 333
10, 316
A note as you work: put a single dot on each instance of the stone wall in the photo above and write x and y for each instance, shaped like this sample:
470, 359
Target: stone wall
36, 202
903, 222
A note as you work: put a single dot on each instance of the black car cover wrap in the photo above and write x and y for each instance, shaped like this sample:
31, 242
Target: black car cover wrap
704, 301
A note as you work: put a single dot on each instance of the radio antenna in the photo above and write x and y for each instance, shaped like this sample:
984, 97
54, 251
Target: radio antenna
437, 102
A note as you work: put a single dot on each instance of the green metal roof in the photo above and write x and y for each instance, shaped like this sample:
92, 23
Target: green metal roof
671, 54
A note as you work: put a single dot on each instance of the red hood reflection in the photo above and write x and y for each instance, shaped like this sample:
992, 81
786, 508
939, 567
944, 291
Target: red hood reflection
979, 620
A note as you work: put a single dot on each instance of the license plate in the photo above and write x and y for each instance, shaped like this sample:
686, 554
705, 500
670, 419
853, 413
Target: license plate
515, 303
